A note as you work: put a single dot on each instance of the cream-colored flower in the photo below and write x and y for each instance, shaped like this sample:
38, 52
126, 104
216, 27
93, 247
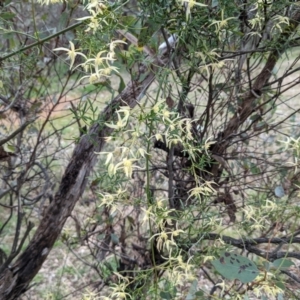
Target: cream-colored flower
156, 108
111, 56
223, 286
122, 122
207, 145
204, 189
97, 61
163, 241
90, 295
208, 258
190, 4
109, 200
126, 165
93, 21
113, 45
93, 78
111, 170
118, 292
177, 232
158, 137
47, 2
109, 158
98, 6
142, 152
160, 203
220, 24
158, 105
148, 215
166, 115
72, 53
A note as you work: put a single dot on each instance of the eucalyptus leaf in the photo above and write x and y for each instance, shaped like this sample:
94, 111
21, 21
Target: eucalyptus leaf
114, 239
192, 291
234, 266
282, 263
166, 295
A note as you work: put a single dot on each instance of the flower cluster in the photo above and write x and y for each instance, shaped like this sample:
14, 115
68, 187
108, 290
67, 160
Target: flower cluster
182, 270
99, 67
47, 2
111, 200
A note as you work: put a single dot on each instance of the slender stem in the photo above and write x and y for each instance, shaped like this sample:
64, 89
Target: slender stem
40, 42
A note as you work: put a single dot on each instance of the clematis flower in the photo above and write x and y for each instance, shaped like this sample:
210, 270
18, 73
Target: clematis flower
126, 165
71, 53
122, 122
47, 2
190, 4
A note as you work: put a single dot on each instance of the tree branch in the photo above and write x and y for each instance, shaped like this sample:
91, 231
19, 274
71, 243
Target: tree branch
15, 280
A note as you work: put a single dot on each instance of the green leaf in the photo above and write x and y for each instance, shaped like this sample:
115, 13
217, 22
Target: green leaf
143, 76
254, 169
128, 20
7, 15
233, 266
114, 239
214, 3
131, 220
33, 129
9, 148
280, 284
63, 21
260, 126
192, 291
148, 29
245, 138
280, 297
70, 35
95, 182
121, 84
282, 263
165, 295
199, 294
255, 117
267, 265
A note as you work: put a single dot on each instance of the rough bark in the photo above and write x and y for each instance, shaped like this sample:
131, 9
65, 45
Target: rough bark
14, 279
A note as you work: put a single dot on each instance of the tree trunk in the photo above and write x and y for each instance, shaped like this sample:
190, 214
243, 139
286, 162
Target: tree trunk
248, 107
14, 280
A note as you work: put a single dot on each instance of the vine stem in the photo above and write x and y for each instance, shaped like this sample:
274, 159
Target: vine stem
40, 41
